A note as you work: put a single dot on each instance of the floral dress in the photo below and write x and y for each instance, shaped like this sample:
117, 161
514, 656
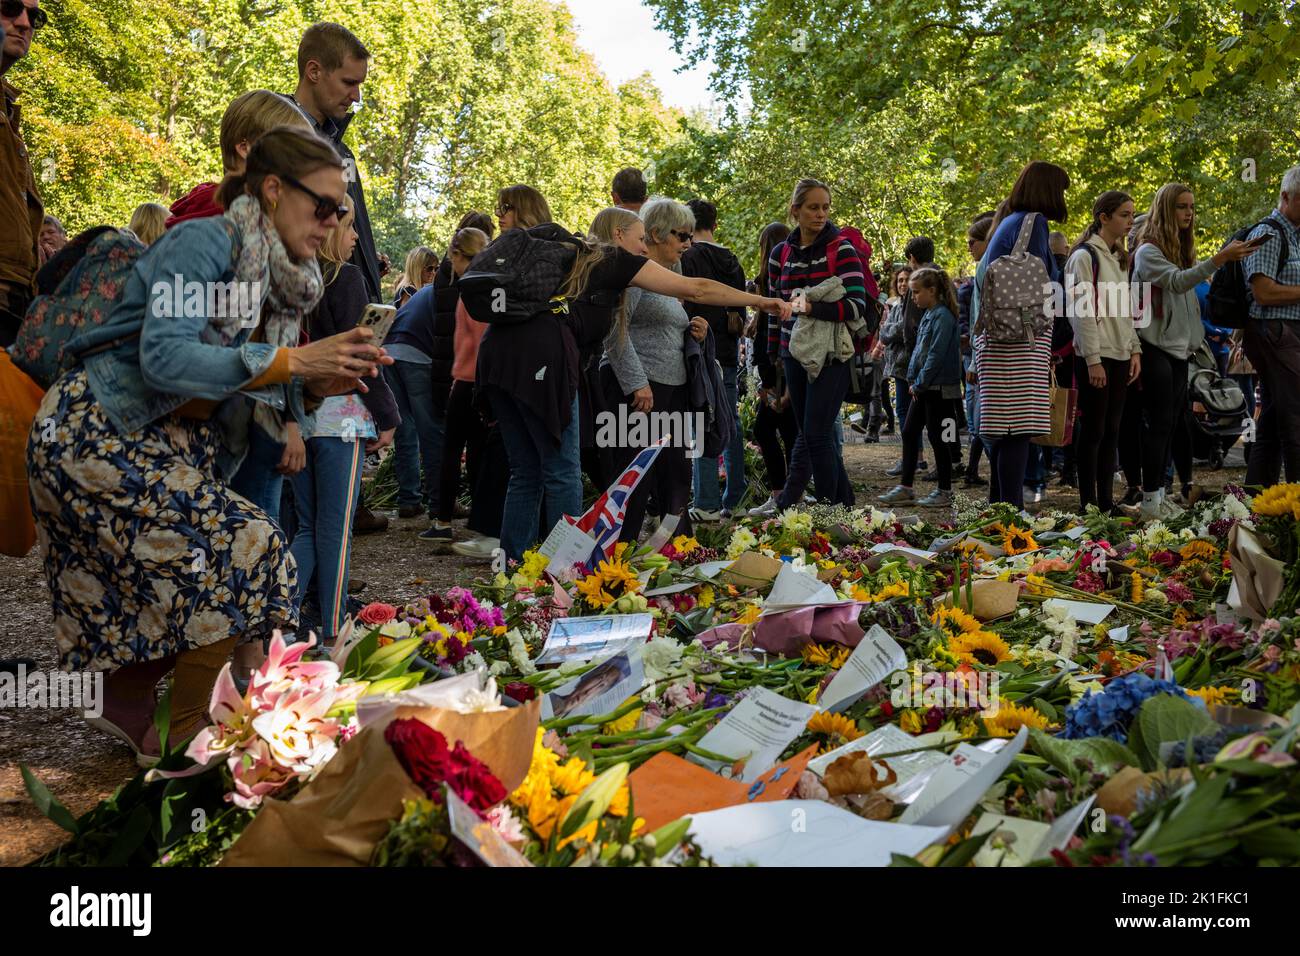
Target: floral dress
147, 553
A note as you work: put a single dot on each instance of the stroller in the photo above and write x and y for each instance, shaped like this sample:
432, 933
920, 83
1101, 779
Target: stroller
1216, 408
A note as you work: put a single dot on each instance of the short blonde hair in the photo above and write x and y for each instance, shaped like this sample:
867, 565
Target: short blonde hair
331, 250
249, 116
417, 260
149, 222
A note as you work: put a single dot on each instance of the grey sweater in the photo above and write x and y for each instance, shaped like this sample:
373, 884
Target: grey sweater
652, 349
1177, 329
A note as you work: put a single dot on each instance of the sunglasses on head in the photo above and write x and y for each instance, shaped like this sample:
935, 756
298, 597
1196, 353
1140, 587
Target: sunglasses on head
13, 9
325, 206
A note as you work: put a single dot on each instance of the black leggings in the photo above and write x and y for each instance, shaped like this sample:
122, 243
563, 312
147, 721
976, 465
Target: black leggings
929, 412
1101, 410
775, 433
1008, 460
1164, 395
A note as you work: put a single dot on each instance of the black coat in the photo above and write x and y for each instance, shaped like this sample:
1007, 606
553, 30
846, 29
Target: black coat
708, 260
365, 256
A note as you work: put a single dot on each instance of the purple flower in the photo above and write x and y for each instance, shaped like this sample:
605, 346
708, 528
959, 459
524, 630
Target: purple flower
715, 699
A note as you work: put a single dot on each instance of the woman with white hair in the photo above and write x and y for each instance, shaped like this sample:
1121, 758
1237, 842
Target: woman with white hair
644, 369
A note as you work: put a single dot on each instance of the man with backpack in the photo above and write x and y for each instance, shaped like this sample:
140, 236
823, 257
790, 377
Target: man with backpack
708, 260
21, 211
1272, 337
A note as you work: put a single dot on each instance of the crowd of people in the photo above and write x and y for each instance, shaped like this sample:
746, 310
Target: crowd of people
172, 542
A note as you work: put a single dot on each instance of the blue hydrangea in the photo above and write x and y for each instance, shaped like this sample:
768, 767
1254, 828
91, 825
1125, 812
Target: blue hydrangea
1109, 713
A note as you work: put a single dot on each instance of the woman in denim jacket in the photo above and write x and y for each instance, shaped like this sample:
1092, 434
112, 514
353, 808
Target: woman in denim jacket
153, 562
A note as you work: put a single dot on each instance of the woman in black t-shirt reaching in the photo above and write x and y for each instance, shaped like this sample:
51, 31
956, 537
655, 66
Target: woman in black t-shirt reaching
530, 372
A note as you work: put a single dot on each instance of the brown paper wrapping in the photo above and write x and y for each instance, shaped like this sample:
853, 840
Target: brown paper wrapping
989, 600
502, 739
752, 570
1120, 793
338, 818
1257, 577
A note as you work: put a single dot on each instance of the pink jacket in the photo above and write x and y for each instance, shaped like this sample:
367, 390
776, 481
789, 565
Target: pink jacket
465, 345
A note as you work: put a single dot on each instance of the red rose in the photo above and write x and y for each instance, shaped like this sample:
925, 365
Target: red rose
473, 782
1166, 559
520, 691
887, 709
422, 752
376, 614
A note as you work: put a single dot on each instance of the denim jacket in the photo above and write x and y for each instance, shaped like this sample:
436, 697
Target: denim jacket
173, 361
936, 360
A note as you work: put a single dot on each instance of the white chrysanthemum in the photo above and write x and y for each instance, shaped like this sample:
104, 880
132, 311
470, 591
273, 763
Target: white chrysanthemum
1234, 507
519, 653
659, 657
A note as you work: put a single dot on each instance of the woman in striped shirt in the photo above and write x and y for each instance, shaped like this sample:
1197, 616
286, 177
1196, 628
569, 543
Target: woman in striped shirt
812, 254
1014, 401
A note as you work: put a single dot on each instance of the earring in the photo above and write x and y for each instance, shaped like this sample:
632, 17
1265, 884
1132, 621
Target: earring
274, 203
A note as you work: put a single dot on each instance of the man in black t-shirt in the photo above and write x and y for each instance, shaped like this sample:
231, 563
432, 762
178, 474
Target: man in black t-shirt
706, 259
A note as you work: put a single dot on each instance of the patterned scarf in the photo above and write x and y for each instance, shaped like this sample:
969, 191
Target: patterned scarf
293, 289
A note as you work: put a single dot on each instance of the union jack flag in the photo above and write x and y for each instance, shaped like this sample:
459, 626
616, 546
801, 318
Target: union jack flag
604, 519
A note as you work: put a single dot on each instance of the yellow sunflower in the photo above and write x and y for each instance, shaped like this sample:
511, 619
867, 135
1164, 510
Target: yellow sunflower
980, 647
1007, 718
836, 730
1199, 551
1017, 540
819, 654
1278, 501
610, 581
953, 621
896, 589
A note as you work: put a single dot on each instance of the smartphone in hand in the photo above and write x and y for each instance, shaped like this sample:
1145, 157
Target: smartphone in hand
379, 319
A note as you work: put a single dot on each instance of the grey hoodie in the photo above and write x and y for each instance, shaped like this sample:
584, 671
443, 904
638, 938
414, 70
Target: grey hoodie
1177, 328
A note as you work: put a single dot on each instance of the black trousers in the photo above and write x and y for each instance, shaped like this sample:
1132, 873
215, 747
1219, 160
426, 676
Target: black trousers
1101, 412
1008, 461
775, 433
1164, 400
1274, 350
929, 412
670, 477
463, 434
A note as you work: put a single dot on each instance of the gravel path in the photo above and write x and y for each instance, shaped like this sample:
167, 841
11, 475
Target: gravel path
82, 766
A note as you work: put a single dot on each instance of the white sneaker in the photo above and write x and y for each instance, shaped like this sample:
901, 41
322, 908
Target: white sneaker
766, 510
1149, 510
1168, 508
701, 516
479, 549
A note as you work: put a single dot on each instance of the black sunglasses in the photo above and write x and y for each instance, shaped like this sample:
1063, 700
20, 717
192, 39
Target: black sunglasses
503, 209
682, 236
325, 206
13, 9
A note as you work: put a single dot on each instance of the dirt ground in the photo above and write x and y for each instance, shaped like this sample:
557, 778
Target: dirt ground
82, 766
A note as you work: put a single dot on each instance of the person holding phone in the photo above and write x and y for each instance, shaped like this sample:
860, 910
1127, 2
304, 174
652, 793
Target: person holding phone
1169, 325
338, 436
153, 562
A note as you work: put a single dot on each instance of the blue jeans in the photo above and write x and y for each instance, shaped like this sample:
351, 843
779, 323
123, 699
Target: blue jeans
535, 468
325, 498
257, 480
706, 469
417, 444
816, 406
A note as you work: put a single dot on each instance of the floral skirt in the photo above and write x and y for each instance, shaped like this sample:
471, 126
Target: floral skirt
147, 553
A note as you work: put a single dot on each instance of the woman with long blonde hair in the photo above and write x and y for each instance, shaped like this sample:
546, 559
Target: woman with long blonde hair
338, 436
421, 265
1169, 324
